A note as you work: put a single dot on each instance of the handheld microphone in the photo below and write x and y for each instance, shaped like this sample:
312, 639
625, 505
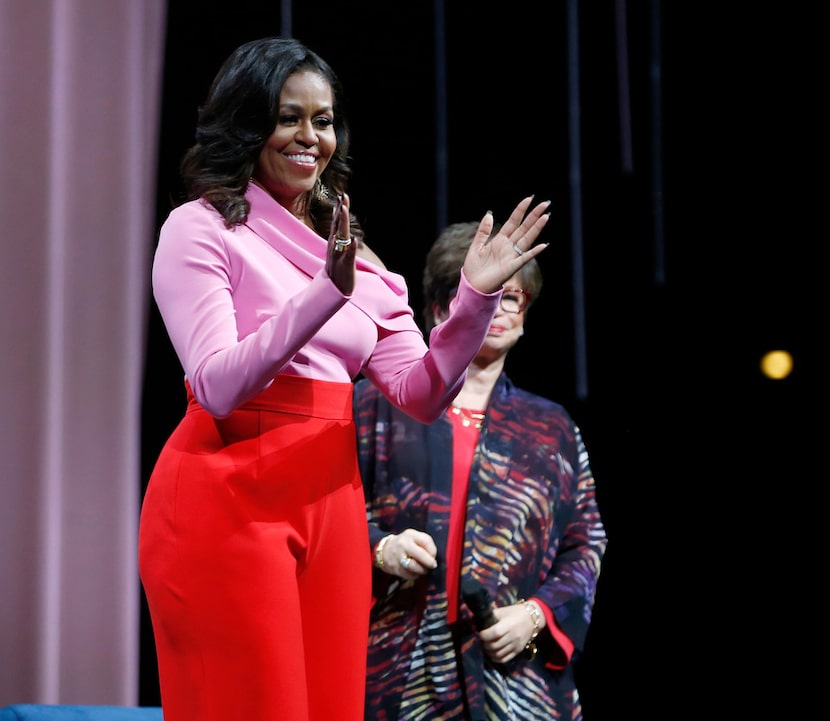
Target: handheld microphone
478, 600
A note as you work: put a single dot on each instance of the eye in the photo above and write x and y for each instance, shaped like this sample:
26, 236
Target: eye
323, 123
287, 119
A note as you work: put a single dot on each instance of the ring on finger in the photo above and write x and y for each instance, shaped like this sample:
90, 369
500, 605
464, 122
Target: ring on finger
340, 244
518, 250
405, 561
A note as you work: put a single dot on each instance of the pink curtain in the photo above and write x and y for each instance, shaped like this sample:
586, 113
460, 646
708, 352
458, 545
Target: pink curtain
79, 108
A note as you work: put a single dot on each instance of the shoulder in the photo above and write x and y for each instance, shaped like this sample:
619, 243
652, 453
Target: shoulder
193, 213
532, 405
527, 398
193, 227
365, 252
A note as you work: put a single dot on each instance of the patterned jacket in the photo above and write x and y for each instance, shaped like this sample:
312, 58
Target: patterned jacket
533, 528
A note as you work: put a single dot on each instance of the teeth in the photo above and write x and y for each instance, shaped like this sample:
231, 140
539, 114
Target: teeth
302, 158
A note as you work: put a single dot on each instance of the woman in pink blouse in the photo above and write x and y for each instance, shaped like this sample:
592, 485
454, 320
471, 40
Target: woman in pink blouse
253, 545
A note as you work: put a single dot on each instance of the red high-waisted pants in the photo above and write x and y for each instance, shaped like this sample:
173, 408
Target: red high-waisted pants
254, 556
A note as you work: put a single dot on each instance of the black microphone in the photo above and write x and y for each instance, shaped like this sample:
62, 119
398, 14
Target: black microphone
479, 602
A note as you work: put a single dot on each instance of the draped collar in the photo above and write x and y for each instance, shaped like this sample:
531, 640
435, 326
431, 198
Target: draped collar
306, 250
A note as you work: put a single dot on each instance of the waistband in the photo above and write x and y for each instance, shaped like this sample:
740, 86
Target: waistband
298, 395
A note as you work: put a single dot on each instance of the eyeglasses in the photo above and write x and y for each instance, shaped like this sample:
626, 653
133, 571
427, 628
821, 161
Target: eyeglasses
514, 300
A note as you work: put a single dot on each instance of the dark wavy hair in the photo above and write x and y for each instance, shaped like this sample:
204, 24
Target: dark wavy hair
240, 114
442, 272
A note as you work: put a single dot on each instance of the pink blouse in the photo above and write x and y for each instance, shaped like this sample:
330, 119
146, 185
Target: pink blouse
241, 305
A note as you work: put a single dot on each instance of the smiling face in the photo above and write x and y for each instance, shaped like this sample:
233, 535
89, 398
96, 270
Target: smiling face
303, 142
504, 331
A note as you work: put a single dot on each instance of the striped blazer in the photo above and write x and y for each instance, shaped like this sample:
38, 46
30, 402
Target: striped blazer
533, 528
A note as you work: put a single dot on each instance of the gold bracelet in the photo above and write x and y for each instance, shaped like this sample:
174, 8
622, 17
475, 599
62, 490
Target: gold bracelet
379, 550
533, 610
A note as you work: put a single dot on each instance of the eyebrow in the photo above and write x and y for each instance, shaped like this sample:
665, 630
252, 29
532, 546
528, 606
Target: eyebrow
300, 109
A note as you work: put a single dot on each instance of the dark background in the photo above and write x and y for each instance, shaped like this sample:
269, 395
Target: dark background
690, 194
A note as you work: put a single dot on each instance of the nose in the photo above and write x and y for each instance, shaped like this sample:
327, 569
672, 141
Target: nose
306, 135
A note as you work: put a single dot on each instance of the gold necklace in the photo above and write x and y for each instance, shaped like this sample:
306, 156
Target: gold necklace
474, 419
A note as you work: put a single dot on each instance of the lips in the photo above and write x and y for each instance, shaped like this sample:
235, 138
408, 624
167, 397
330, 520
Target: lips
302, 158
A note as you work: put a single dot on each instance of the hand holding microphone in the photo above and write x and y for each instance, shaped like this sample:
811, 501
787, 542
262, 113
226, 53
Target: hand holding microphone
478, 600
504, 647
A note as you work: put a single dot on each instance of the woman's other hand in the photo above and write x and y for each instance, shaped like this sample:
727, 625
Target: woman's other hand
409, 554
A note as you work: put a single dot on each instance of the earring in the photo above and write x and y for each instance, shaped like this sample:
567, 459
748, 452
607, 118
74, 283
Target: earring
321, 192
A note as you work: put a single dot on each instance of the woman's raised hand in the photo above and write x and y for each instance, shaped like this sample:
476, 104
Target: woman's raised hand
340, 254
490, 263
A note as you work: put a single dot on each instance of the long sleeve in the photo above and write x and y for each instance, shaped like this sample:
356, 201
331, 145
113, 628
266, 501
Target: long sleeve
561, 538
570, 586
424, 387
211, 290
243, 304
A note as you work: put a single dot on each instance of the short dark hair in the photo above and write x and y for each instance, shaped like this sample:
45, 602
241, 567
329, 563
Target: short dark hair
442, 271
240, 114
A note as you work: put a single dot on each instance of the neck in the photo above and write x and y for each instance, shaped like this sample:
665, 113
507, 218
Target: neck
479, 384
297, 206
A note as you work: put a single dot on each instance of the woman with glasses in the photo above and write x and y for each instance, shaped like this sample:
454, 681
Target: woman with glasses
485, 531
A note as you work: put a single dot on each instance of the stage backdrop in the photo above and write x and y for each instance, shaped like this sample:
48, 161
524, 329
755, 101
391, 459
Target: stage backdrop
79, 109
